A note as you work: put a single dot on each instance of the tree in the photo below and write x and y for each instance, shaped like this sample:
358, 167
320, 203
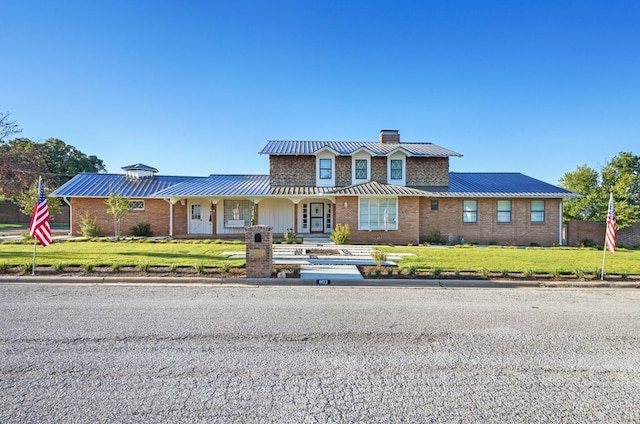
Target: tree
23, 160
118, 206
7, 127
621, 176
27, 200
65, 161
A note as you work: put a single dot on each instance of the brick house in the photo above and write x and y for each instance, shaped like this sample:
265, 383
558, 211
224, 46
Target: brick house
387, 191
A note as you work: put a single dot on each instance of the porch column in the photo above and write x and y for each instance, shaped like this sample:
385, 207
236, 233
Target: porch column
295, 218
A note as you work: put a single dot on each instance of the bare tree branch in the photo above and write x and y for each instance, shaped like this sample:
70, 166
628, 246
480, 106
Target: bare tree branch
7, 127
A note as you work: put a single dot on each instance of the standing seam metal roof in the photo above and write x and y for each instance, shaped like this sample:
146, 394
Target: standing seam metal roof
289, 147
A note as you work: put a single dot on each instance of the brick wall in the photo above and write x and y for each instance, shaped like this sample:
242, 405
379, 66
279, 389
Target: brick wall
259, 251
427, 171
578, 231
343, 171
379, 169
292, 170
156, 213
520, 231
408, 221
10, 214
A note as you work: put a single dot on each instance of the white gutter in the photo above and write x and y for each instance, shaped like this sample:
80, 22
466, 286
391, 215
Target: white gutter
70, 213
560, 224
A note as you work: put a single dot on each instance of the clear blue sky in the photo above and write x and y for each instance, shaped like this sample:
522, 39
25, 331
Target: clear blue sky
197, 87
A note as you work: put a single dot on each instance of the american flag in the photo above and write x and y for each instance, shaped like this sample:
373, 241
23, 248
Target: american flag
39, 227
610, 237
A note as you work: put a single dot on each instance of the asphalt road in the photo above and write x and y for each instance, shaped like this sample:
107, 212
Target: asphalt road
318, 354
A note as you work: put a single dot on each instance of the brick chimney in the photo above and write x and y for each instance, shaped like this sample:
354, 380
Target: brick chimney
389, 136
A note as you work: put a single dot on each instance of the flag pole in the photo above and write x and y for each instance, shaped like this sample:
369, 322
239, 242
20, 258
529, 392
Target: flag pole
604, 254
33, 267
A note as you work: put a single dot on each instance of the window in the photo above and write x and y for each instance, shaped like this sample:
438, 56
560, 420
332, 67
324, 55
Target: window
325, 169
434, 204
470, 211
378, 214
504, 211
361, 169
237, 210
196, 213
396, 169
136, 205
537, 211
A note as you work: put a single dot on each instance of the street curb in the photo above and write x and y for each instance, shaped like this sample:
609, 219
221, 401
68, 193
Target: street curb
294, 282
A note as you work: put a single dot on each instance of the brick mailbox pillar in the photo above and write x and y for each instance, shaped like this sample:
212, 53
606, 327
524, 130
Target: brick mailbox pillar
259, 239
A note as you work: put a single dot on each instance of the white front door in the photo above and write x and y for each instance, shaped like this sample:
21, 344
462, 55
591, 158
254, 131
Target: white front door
199, 217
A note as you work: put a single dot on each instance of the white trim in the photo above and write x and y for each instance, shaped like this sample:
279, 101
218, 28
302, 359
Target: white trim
354, 158
326, 182
402, 157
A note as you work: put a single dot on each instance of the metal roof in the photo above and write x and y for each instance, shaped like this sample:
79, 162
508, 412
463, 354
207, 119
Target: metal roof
497, 184
373, 188
460, 185
219, 185
284, 147
101, 185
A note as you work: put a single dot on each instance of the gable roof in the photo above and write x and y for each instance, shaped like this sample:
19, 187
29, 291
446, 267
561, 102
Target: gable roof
461, 184
101, 185
219, 185
284, 147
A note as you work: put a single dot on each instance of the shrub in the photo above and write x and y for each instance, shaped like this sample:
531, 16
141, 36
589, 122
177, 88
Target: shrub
378, 256
87, 267
89, 226
199, 268
141, 229
504, 273
528, 273
4, 268
389, 271
26, 267
143, 267
115, 267
225, 267
59, 267
484, 271
437, 272
290, 236
435, 238
173, 268
587, 242
412, 270
340, 233
579, 274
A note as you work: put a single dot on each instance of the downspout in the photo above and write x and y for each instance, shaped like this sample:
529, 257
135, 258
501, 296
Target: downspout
170, 217
68, 202
560, 224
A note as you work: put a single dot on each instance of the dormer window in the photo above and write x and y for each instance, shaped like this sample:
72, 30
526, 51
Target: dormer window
396, 169
326, 169
361, 169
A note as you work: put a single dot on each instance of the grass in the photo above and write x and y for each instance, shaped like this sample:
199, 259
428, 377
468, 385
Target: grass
210, 254
123, 253
556, 261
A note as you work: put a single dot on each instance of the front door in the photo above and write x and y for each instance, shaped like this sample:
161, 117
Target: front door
317, 217
199, 217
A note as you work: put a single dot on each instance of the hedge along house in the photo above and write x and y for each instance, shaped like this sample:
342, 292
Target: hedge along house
387, 191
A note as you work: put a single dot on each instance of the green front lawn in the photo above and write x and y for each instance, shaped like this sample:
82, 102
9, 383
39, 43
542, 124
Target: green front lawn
123, 253
564, 260
213, 254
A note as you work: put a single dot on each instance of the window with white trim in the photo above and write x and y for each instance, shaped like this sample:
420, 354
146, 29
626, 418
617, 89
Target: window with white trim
396, 169
378, 213
504, 211
136, 205
362, 169
237, 211
537, 211
326, 169
470, 211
